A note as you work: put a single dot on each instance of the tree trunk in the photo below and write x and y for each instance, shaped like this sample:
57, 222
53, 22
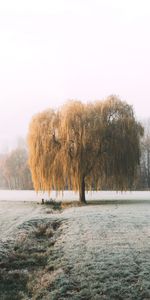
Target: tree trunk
82, 191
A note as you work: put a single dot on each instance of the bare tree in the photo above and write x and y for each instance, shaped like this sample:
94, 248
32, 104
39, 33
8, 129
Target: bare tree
85, 146
15, 172
144, 176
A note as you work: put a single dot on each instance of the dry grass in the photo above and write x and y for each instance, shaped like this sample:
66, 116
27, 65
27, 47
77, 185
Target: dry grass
54, 205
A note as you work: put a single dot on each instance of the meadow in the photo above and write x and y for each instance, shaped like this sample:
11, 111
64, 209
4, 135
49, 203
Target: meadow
75, 252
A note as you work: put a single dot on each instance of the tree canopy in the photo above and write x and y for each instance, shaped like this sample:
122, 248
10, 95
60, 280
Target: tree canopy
84, 146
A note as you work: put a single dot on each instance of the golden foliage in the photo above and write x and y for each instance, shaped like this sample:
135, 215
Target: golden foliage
92, 144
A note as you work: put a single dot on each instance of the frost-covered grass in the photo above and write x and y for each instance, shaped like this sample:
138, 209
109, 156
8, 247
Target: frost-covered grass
28, 264
105, 253
89, 253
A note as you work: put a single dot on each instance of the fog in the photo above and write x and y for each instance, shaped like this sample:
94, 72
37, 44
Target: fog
56, 50
15, 195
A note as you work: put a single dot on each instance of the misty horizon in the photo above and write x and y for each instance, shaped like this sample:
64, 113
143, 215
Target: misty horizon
59, 50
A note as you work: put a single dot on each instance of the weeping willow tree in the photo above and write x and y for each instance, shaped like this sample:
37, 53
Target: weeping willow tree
85, 146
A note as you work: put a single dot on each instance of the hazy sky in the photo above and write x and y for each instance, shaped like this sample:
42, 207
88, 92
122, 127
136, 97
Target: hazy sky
54, 50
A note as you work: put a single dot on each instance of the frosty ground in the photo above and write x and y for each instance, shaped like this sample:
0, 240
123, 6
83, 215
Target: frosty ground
94, 252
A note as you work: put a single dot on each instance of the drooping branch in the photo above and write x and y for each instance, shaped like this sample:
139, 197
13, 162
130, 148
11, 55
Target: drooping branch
84, 143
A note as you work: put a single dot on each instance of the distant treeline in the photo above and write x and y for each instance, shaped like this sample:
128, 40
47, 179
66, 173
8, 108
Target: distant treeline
15, 172
143, 176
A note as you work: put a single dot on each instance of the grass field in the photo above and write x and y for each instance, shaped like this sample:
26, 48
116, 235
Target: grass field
90, 252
